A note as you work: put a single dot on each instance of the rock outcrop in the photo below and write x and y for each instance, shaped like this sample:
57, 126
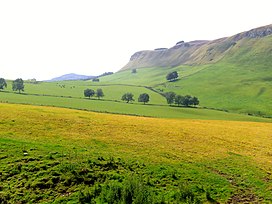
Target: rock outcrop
194, 52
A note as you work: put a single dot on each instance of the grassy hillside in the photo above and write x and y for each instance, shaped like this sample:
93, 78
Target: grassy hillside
52, 154
232, 73
76, 89
242, 89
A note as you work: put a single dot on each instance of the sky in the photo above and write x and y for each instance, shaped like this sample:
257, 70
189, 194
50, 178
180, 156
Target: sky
43, 39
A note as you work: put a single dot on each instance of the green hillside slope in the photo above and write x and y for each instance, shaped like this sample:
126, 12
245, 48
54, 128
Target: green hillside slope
233, 74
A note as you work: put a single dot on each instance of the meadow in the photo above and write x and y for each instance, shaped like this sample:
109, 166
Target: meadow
56, 155
69, 94
240, 88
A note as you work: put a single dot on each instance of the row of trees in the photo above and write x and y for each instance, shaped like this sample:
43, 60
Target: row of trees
171, 97
144, 97
17, 85
90, 93
128, 97
179, 100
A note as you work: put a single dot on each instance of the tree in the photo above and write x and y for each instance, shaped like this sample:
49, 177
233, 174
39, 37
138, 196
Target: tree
3, 83
170, 97
99, 93
179, 100
95, 80
195, 101
172, 76
134, 71
143, 98
89, 93
187, 100
127, 97
18, 85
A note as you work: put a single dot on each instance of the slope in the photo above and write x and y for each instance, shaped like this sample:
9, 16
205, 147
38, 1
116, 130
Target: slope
231, 73
206, 52
60, 155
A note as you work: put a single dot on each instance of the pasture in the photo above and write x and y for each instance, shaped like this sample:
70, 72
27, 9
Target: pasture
59, 155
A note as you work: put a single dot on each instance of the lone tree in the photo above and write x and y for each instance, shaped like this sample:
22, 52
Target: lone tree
134, 71
18, 85
89, 93
170, 97
127, 97
99, 93
179, 100
3, 83
143, 98
172, 76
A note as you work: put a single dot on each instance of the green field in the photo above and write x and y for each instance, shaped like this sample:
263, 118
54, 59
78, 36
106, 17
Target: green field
225, 86
108, 106
54, 155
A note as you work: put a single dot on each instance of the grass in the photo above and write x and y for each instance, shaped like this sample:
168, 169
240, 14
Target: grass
234, 87
61, 155
149, 110
76, 89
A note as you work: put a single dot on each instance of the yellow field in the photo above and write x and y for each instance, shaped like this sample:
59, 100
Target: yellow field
154, 140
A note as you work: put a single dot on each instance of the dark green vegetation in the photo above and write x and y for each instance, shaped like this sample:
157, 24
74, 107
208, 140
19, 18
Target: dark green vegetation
128, 97
32, 174
89, 93
143, 98
3, 83
18, 85
172, 76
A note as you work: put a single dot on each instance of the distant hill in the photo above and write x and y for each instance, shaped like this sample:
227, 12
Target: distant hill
244, 47
72, 76
232, 73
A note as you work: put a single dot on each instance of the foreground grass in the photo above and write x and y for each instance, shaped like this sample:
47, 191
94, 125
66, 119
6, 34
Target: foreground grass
60, 155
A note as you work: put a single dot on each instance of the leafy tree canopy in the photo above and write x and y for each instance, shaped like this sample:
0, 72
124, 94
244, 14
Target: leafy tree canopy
143, 98
3, 83
172, 76
18, 85
88, 93
127, 97
170, 97
99, 93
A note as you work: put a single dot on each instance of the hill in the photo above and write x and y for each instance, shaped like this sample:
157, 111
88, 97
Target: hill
232, 74
206, 52
55, 155
71, 76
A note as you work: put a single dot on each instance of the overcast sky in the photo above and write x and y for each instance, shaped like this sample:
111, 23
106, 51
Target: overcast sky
46, 38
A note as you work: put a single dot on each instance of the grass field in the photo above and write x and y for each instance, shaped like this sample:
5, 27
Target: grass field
61, 155
76, 89
149, 110
226, 86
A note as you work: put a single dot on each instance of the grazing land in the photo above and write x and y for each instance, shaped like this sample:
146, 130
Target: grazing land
69, 94
236, 88
52, 154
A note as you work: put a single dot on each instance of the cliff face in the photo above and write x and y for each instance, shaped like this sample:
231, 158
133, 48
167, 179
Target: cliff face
196, 52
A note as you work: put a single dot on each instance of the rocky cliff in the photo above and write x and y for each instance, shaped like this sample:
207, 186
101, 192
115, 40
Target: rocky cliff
196, 52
